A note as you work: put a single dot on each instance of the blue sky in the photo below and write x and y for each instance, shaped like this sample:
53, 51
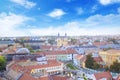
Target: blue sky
50, 17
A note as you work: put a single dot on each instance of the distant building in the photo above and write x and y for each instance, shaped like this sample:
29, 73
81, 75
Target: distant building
13, 52
34, 42
47, 48
82, 49
6, 43
62, 40
60, 55
112, 46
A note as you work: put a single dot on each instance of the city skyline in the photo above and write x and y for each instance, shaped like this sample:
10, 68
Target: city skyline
74, 17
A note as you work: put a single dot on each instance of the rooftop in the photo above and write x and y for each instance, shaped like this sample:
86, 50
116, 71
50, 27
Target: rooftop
69, 51
23, 66
98, 59
79, 56
113, 51
27, 76
101, 75
50, 63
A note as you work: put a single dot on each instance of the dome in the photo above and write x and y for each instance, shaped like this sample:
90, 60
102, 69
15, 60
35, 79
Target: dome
23, 50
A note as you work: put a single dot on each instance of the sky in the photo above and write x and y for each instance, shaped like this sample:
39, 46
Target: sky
50, 17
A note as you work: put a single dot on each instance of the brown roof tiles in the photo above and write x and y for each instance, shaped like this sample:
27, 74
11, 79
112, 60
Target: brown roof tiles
98, 59
58, 52
102, 75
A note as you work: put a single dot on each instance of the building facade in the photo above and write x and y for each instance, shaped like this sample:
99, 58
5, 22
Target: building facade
110, 56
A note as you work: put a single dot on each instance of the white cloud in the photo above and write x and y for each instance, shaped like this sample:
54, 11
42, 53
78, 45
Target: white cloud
108, 20
79, 11
75, 29
27, 4
56, 13
93, 25
9, 23
106, 2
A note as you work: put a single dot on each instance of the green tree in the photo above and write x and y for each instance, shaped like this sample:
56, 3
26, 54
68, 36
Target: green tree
2, 63
30, 48
22, 42
106, 68
97, 40
89, 63
107, 49
73, 41
115, 67
96, 65
51, 41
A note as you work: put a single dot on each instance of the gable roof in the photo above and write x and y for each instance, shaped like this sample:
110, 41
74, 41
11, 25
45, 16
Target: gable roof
102, 75
98, 59
69, 51
59, 78
27, 76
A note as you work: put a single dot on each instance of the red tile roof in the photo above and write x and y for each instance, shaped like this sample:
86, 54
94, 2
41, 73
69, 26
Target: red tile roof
98, 59
27, 76
101, 75
101, 43
50, 63
79, 57
2, 48
19, 68
46, 47
58, 52
59, 78
113, 51
44, 78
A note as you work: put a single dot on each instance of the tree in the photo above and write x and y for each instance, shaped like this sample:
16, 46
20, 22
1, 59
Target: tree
96, 65
107, 49
73, 41
51, 41
115, 67
106, 68
30, 48
22, 42
2, 63
97, 40
89, 63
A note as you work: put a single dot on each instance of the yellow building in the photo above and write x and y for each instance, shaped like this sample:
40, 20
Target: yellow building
62, 42
110, 56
